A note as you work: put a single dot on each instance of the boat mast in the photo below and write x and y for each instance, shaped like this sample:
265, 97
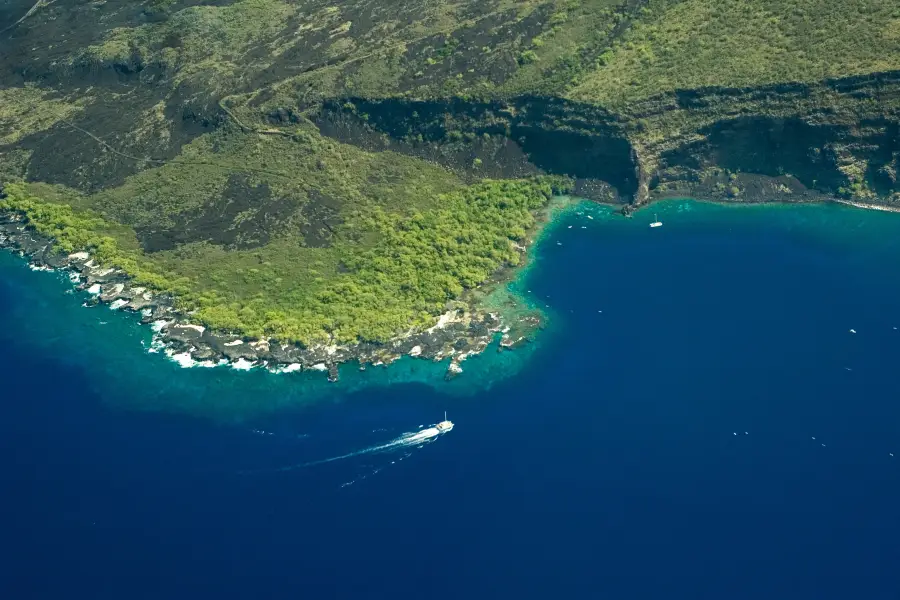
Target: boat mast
445, 415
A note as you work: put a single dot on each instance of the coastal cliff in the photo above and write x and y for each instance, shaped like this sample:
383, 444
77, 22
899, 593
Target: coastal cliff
786, 142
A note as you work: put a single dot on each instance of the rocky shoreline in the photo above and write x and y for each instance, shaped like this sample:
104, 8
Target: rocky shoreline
458, 334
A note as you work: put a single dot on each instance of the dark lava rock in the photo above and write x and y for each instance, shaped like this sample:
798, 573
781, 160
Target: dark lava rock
243, 351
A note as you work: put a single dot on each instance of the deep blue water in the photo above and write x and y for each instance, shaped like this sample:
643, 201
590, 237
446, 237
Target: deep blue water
604, 465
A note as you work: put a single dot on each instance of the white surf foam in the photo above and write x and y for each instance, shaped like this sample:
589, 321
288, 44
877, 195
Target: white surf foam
242, 364
286, 368
158, 326
184, 360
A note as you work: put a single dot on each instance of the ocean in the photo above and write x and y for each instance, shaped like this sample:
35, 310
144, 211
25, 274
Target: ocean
710, 413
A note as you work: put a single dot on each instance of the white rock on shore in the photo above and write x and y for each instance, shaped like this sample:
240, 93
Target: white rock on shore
158, 326
445, 319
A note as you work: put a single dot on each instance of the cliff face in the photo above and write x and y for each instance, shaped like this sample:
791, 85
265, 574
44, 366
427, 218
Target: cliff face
489, 89
835, 138
783, 142
497, 139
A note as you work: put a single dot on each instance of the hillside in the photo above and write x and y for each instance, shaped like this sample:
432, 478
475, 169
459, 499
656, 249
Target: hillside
320, 173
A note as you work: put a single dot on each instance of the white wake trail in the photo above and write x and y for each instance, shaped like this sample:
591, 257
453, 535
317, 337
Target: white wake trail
407, 440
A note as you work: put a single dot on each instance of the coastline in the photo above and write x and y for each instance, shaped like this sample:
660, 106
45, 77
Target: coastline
466, 329
494, 312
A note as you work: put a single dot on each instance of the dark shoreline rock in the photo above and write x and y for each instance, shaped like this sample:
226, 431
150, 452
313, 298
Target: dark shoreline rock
837, 138
458, 334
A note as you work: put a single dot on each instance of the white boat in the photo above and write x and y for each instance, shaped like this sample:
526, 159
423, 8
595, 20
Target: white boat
445, 425
656, 222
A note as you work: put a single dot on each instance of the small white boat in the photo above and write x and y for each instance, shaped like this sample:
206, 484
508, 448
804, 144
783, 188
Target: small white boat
656, 222
445, 425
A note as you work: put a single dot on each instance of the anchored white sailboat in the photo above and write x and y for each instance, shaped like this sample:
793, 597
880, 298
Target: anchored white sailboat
656, 222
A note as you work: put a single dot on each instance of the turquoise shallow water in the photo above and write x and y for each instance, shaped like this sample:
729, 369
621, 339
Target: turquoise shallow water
657, 439
112, 346
48, 318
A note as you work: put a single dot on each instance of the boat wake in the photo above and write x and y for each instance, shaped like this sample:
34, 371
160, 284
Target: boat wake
403, 445
407, 440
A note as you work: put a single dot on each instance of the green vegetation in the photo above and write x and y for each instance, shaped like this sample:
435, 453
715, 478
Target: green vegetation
207, 42
29, 109
292, 169
74, 231
403, 276
739, 43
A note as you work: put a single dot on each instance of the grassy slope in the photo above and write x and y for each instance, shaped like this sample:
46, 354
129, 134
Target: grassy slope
296, 235
743, 43
384, 273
